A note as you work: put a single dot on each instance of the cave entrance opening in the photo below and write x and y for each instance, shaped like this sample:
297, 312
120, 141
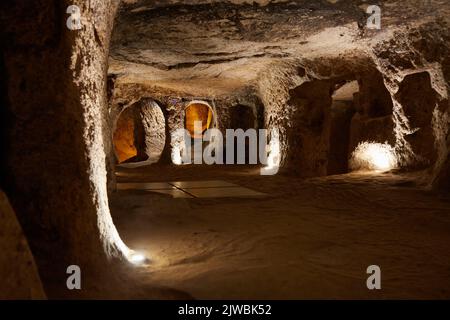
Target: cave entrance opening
243, 117
124, 136
341, 113
140, 133
198, 111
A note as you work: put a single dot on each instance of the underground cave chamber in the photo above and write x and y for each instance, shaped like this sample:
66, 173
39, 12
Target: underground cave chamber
361, 151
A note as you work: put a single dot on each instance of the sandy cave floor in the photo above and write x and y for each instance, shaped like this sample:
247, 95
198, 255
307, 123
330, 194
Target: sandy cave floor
306, 239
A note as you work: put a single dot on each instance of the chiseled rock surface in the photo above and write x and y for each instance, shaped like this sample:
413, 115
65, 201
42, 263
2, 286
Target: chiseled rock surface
235, 39
224, 50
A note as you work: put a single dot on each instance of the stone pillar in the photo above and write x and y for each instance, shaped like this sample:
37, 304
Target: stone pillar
54, 171
174, 114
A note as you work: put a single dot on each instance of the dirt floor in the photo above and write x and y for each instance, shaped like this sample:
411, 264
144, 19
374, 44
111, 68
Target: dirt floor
305, 239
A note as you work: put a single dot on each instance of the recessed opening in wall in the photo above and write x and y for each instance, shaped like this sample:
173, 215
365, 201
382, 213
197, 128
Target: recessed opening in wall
140, 133
242, 117
124, 136
332, 117
198, 111
372, 134
341, 114
345, 91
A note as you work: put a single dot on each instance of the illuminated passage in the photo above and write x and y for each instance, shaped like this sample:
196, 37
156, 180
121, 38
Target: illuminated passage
124, 139
198, 111
140, 133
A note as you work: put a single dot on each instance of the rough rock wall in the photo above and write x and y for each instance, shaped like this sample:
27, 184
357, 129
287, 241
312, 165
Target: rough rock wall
273, 90
20, 278
297, 99
425, 48
56, 98
385, 104
418, 100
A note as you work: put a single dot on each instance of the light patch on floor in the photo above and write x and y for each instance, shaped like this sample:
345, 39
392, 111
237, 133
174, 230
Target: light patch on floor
175, 193
194, 189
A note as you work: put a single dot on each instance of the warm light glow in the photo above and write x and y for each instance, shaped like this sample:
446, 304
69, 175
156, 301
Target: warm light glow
198, 111
123, 136
373, 156
274, 157
136, 258
176, 155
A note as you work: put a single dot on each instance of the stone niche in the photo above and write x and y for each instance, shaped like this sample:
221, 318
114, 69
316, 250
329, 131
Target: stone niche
341, 113
373, 120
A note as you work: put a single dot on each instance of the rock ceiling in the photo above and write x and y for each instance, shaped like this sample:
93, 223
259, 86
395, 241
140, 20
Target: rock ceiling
214, 47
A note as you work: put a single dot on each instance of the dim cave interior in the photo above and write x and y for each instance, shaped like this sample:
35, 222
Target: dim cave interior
93, 174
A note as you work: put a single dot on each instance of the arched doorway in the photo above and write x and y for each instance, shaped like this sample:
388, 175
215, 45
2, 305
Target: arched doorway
124, 136
198, 111
243, 117
139, 133
342, 111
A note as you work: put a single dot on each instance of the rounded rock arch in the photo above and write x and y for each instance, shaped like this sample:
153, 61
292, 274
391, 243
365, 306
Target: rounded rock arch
139, 132
199, 110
